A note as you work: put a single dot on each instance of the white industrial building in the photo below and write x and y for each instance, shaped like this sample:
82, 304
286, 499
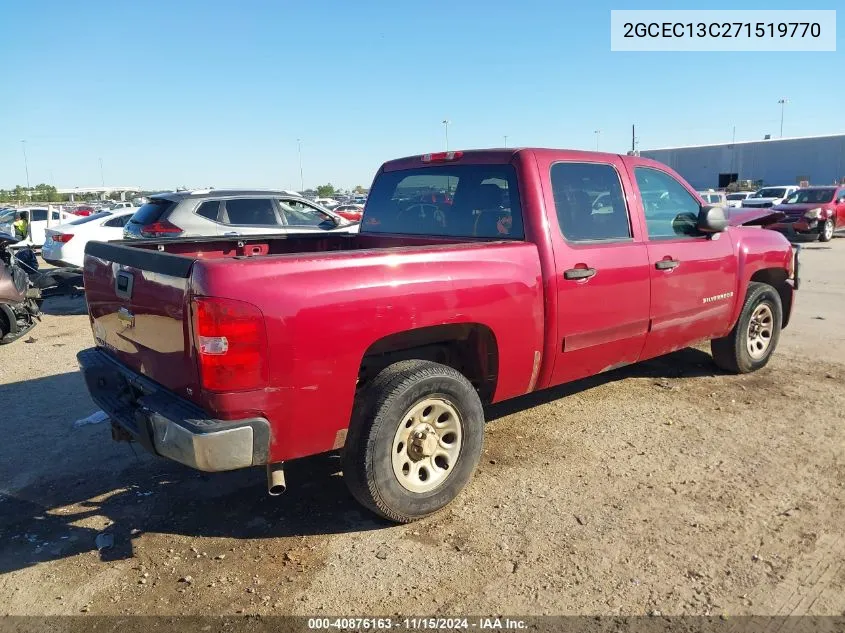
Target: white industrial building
819, 160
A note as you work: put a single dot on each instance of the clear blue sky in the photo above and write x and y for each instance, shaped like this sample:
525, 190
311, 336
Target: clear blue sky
216, 93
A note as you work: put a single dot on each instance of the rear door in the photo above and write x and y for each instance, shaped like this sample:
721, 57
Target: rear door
248, 216
601, 266
693, 276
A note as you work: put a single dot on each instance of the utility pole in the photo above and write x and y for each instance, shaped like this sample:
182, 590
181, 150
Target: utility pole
301, 177
633, 139
506, 140
782, 101
598, 134
446, 128
25, 163
733, 153
102, 178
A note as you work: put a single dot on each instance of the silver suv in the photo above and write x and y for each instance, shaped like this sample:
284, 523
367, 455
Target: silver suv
211, 212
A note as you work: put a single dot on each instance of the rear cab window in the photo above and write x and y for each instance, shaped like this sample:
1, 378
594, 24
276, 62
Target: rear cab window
447, 200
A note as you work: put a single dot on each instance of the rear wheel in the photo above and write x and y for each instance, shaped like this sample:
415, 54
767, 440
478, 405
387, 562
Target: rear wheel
826, 231
414, 440
755, 336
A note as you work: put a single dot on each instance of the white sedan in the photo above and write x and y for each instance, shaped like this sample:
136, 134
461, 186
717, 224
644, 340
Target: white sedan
65, 244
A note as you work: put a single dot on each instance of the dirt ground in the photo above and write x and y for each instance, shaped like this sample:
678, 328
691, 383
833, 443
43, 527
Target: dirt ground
666, 486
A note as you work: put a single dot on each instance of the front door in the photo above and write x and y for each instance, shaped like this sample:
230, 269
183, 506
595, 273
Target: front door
693, 276
602, 269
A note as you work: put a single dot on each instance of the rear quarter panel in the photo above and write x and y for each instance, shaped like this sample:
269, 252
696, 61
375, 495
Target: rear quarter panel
323, 312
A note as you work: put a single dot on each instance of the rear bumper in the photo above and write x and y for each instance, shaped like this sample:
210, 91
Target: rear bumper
169, 426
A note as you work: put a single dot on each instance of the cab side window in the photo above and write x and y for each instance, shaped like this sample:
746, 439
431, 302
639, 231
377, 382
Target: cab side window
250, 212
671, 212
589, 202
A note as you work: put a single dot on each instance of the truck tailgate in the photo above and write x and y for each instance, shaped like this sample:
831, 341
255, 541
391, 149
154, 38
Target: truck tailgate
139, 308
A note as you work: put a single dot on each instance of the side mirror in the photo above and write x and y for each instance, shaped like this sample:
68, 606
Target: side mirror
712, 219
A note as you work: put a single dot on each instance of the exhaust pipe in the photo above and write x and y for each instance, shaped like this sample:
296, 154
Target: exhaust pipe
276, 479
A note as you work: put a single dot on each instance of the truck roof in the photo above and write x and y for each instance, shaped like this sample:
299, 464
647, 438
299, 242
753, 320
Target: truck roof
506, 154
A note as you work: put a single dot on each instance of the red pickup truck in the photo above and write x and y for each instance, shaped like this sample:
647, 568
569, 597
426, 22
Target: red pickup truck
545, 266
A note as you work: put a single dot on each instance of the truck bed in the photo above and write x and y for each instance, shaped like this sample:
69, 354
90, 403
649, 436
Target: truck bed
327, 302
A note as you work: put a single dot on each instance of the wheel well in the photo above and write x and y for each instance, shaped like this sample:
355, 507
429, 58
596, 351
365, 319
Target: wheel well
470, 348
776, 278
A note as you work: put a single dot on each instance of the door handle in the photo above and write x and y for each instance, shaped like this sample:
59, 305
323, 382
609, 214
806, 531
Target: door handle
667, 264
579, 273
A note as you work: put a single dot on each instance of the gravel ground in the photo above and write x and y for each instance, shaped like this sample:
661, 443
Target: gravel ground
666, 487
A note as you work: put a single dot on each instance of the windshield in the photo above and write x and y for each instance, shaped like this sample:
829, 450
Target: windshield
737, 196
810, 196
773, 192
448, 200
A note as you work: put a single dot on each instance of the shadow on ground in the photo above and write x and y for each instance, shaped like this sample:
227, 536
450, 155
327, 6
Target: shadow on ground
139, 493
71, 303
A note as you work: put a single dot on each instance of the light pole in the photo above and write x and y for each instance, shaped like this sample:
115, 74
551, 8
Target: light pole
782, 101
598, 134
102, 178
25, 163
506, 140
301, 177
446, 127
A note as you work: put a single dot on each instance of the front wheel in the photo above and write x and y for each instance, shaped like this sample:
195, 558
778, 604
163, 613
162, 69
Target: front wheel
826, 231
751, 342
414, 441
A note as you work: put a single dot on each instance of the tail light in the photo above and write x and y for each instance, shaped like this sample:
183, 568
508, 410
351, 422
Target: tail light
62, 238
162, 228
441, 157
231, 344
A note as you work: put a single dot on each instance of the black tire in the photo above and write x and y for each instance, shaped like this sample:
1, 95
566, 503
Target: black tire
731, 352
826, 231
380, 409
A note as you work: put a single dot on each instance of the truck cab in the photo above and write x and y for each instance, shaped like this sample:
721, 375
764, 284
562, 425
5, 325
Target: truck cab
477, 277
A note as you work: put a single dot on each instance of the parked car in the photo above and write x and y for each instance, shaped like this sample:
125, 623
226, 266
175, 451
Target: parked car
82, 210
351, 212
38, 223
210, 212
64, 245
768, 197
734, 200
327, 203
716, 198
815, 211
220, 353
121, 204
